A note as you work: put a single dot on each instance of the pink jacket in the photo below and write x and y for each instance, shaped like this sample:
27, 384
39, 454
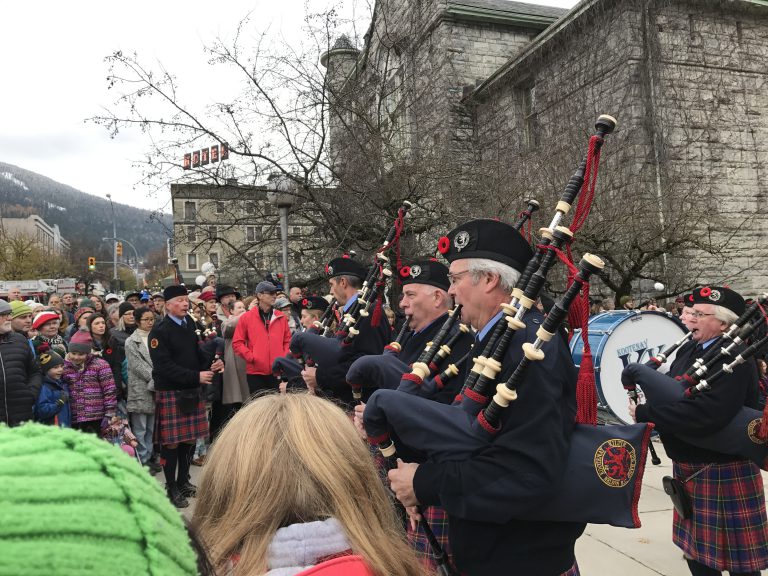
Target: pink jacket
342, 566
260, 345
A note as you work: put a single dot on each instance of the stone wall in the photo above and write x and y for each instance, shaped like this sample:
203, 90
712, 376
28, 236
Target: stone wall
687, 82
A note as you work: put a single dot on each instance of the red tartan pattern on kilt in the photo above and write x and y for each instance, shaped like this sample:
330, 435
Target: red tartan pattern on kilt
729, 528
438, 521
173, 426
574, 571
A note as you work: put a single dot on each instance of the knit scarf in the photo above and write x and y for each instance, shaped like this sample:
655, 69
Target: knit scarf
298, 547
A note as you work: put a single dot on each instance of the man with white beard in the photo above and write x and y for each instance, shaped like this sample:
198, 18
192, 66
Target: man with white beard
20, 376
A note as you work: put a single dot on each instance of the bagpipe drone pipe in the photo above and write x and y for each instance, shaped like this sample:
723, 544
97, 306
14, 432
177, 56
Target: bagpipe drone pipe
604, 466
746, 435
322, 347
387, 371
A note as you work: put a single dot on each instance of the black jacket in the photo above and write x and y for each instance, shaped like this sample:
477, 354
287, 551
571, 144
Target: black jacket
485, 495
705, 413
332, 379
20, 379
415, 344
177, 358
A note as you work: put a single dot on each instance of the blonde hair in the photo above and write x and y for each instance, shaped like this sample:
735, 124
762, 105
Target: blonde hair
291, 458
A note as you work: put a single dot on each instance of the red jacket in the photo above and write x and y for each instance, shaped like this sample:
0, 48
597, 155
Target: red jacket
260, 345
342, 566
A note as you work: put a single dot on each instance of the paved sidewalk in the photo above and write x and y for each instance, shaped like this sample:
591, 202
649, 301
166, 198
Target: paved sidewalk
646, 551
609, 551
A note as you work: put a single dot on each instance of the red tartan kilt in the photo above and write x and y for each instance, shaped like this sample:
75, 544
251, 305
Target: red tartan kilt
438, 521
729, 528
173, 426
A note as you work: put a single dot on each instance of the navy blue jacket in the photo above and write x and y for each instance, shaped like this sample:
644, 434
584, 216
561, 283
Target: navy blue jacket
48, 408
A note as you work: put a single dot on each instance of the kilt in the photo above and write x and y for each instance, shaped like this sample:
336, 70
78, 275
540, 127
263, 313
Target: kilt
573, 571
729, 528
173, 426
438, 521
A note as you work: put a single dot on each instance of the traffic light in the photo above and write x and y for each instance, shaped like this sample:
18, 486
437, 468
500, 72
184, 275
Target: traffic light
91, 263
119, 248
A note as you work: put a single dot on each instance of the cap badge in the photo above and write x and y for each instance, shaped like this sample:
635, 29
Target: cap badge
415, 271
329, 270
714, 295
461, 240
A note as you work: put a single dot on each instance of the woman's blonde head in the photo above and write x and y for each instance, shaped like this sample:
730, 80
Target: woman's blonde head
285, 459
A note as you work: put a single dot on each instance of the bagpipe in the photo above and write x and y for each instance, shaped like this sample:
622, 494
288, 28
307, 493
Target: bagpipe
387, 371
426, 376
603, 474
324, 348
746, 435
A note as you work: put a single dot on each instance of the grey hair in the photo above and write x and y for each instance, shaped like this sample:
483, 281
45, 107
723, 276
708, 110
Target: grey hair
725, 315
508, 276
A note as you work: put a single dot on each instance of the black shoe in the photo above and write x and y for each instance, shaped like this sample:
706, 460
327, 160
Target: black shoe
187, 489
176, 497
154, 467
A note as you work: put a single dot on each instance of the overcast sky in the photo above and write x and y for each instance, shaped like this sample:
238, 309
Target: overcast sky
53, 77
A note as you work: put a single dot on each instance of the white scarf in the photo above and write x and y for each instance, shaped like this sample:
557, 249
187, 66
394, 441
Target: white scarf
298, 547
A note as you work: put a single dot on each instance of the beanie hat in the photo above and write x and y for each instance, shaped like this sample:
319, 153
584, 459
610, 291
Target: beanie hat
81, 342
5, 308
87, 303
206, 296
123, 308
48, 358
19, 308
43, 317
82, 311
96, 511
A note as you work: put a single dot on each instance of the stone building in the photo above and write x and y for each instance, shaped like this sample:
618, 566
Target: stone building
502, 96
237, 229
46, 236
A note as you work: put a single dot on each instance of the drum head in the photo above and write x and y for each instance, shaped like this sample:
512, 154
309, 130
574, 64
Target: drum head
634, 337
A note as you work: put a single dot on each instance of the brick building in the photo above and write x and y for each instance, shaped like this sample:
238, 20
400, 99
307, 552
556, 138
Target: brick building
497, 98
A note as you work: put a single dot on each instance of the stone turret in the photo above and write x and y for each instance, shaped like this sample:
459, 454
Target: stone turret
339, 62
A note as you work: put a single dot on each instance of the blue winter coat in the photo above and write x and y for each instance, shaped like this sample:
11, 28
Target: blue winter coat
48, 409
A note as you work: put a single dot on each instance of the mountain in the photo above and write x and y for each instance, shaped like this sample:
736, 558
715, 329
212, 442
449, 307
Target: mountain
83, 219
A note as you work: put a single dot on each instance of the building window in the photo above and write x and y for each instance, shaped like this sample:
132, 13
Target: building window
253, 234
214, 259
296, 231
190, 211
191, 234
530, 120
191, 261
212, 233
219, 207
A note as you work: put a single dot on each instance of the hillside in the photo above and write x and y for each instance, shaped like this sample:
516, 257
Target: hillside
84, 219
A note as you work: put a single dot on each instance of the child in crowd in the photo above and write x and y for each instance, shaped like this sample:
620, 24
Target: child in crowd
117, 432
91, 385
52, 406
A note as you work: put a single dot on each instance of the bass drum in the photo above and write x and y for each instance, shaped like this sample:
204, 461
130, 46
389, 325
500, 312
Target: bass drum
619, 338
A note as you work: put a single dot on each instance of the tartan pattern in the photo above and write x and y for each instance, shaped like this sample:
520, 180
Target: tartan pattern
173, 426
573, 571
729, 528
438, 521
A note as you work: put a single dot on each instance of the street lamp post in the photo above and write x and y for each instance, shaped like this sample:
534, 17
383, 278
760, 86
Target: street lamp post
116, 282
283, 195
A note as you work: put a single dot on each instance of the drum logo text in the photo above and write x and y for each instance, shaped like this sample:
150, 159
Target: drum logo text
753, 429
615, 462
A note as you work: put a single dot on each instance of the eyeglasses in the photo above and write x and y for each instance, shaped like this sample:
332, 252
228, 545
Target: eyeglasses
454, 278
148, 319
698, 315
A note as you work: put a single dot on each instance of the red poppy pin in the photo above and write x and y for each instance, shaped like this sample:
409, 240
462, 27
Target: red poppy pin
706, 291
405, 271
443, 245
153, 343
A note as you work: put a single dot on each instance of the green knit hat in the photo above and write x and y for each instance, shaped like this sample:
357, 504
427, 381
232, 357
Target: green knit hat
73, 504
18, 308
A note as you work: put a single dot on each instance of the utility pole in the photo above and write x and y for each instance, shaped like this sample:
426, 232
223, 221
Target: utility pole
116, 281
